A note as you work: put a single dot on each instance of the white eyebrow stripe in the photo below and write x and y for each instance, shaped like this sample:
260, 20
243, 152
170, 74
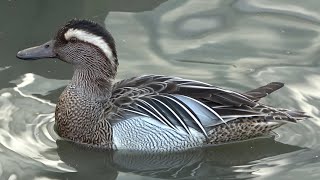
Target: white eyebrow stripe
90, 38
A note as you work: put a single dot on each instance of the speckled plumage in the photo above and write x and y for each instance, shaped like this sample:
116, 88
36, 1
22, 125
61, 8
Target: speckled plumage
74, 114
241, 129
151, 112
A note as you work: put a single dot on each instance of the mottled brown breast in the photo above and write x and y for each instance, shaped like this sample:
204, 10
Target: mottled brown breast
79, 119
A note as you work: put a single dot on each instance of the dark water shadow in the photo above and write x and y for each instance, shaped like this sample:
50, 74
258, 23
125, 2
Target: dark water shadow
212, 162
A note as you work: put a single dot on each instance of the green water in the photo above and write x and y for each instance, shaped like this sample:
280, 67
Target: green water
239, 44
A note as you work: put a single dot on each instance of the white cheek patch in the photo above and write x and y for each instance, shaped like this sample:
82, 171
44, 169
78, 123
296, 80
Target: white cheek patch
90, 38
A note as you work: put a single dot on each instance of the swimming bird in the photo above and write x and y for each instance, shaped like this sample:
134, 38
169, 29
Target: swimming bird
151, 112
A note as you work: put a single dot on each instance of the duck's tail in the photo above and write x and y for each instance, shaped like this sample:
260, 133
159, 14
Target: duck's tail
246, 127
275, 113
263, 91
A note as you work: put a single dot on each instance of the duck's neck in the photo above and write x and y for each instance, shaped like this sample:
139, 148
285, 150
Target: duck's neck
92, 84
81, 106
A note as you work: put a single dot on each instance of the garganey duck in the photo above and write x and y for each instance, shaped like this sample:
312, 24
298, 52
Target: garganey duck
151, 112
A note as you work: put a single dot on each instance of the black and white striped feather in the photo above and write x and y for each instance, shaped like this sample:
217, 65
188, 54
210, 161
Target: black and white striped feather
182, 103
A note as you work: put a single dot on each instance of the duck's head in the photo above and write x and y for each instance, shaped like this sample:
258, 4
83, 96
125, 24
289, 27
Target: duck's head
82, 43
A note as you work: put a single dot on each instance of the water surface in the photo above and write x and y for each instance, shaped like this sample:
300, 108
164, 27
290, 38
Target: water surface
239, 44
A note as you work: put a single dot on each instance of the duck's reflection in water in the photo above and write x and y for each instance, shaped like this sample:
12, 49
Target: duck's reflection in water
216, 162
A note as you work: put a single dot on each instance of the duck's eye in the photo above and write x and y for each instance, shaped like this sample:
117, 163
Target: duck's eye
73, 39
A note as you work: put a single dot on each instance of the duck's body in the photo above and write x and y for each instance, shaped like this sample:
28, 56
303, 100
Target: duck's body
152, 112
160, 113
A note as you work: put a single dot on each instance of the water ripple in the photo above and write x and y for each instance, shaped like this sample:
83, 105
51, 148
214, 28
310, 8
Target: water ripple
275, 8
26, 126
239, 44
